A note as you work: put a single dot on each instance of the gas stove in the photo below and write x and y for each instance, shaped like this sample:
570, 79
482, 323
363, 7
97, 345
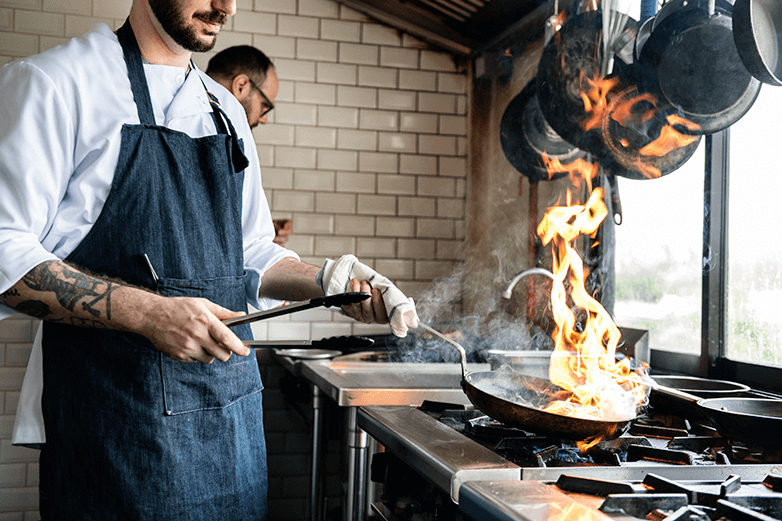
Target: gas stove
474, 466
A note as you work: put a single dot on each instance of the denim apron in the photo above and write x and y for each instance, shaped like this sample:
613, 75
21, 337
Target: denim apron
130, 433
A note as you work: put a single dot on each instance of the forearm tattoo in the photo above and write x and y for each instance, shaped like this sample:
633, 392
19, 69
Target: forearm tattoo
71, 288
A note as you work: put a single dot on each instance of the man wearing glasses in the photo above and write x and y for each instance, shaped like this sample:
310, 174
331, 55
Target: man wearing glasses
249, 75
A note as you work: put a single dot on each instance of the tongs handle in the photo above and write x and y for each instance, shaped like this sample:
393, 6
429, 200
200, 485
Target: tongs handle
342, 343
340, 299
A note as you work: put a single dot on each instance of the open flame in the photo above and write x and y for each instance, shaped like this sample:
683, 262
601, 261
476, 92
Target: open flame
604, 104
583, 361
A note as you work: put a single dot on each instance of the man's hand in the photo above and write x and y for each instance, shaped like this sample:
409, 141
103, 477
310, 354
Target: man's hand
190, 330
182, 328
371, 310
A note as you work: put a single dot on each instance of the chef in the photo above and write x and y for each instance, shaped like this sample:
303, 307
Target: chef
132, 221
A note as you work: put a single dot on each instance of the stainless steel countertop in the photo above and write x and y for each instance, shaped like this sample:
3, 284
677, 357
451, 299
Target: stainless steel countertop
436, 451
529, 501
351, 382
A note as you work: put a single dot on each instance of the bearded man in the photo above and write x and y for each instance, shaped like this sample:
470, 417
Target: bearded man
133, 222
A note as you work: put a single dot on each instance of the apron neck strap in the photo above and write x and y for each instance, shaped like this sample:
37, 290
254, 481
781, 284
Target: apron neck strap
138, 81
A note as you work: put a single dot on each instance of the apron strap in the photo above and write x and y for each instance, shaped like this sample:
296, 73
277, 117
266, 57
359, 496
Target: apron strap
140, 88
221, 119
138, 81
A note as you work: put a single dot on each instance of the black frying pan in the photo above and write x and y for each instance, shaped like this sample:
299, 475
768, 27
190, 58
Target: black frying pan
498, 394
755, 420
690, 61
680, 394
526, 135
757, 33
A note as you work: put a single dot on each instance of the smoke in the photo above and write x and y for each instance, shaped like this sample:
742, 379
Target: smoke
491, 325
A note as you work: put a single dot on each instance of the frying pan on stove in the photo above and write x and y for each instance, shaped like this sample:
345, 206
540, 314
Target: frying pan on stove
737, 418
498, 394
680, 394
755, 420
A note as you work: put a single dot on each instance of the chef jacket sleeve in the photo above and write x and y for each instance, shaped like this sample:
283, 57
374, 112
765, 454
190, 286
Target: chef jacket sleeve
36, 159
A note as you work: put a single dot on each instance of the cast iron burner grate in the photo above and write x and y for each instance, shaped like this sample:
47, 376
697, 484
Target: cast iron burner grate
653, 439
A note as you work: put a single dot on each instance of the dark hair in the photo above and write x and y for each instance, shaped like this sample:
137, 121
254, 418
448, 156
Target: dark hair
240, 59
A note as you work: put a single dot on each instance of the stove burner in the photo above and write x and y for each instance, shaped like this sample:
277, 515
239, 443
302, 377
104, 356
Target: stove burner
661, 498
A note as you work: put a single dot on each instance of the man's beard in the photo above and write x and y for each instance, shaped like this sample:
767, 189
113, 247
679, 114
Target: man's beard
173, 22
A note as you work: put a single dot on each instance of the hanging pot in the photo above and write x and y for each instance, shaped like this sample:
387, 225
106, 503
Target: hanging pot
691, 62
757, 33
526, 136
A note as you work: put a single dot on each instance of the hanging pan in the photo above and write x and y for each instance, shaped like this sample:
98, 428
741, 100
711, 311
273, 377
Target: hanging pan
570, 60
566, 72
757, 32
691, 62
526, 136
646, 137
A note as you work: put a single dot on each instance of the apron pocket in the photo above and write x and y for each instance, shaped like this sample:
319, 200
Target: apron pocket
197, 386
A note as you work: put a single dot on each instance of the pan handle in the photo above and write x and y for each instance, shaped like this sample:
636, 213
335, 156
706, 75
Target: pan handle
457, 345
676, 393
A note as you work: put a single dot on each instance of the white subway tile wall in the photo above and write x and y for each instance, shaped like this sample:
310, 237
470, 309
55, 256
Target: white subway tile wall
365, 152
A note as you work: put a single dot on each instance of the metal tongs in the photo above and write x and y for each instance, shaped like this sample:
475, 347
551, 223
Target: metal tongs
340, 299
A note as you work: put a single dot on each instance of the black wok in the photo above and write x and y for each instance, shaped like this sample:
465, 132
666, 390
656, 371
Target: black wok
498, 393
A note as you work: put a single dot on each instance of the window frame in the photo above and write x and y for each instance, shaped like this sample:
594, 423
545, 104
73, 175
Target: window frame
712, 361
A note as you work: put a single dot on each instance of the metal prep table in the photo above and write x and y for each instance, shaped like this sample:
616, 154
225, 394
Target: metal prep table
352, 382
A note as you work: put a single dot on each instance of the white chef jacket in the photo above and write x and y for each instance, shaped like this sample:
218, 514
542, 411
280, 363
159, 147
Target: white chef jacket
61, 115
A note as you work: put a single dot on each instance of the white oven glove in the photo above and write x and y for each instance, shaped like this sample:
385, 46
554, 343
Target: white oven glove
334, 277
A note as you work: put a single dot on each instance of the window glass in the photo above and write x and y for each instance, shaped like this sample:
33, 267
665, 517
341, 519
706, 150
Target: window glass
658, 256
754, 243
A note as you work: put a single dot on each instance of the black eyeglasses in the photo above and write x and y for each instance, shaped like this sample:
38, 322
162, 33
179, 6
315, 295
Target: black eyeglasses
267, 105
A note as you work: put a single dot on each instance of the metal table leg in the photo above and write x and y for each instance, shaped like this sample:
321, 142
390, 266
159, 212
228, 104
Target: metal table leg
316, 495
357, 464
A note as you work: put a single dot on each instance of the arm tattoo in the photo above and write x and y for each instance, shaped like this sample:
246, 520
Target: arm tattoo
71, 288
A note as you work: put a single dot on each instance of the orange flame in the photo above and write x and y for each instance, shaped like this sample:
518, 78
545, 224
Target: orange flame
596, 100
632, 111
583, 361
